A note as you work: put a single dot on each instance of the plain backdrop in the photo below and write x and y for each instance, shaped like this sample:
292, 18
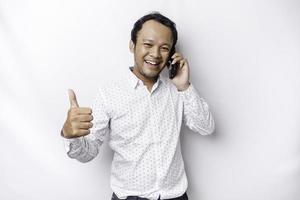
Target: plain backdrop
244, 57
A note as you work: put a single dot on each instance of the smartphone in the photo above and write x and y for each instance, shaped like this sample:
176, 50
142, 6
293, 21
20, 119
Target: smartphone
172, 68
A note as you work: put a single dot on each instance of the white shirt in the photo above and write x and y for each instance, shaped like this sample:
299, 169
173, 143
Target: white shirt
144, 129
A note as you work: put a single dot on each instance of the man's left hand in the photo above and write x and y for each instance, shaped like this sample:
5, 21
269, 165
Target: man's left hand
181, 80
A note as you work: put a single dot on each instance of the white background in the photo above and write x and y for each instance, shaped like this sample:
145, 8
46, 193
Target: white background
245, 61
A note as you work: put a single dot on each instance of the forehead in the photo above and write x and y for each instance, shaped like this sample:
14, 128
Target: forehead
155, 31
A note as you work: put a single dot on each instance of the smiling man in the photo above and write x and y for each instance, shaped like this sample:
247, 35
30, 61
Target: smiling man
142, 113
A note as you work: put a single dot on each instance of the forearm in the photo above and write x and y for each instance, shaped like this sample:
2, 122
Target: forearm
197, 115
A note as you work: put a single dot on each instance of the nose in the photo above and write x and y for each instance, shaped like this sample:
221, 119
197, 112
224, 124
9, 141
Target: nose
155, 52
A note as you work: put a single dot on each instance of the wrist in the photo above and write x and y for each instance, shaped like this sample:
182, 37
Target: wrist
184, 87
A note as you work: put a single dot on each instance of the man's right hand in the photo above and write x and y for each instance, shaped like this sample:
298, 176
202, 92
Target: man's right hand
79, 119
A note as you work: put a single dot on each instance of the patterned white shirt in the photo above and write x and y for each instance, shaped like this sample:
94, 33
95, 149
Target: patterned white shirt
144, 129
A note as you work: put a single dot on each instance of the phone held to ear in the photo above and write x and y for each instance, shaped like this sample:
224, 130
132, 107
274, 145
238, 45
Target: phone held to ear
172, 68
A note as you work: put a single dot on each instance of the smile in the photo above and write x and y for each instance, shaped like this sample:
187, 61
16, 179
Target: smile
152, 63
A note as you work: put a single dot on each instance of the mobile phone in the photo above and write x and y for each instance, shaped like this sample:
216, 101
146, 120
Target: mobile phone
172, 68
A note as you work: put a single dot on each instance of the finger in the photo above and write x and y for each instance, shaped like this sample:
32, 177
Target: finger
182, 62
176, 55
82, 111
81, 132
84, 125
83, 118
72, 98
176, 59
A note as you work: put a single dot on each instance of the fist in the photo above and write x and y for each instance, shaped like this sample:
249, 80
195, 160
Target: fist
79, 119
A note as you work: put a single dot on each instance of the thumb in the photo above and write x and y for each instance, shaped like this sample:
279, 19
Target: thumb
72, 98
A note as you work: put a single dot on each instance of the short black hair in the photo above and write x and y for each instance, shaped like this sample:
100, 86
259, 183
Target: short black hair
156, 16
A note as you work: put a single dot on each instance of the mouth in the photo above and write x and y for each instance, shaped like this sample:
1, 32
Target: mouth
152, 64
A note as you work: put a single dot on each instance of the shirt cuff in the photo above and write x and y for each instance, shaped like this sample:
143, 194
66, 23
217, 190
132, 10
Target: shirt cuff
189, 93
72, 144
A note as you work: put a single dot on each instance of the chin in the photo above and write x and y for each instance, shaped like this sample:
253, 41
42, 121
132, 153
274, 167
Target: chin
150, 73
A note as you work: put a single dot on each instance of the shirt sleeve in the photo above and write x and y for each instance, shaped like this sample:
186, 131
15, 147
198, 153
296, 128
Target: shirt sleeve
196, 113
87, 147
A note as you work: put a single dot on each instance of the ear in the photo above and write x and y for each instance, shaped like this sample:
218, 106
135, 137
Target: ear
131, 46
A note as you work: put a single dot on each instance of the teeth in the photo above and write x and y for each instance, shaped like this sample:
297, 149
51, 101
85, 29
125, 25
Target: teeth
152, 63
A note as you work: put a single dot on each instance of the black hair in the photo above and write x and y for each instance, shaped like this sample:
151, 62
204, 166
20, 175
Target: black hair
156, 16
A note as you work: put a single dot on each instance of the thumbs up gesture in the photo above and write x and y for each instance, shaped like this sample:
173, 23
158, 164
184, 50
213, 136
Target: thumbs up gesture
79, 119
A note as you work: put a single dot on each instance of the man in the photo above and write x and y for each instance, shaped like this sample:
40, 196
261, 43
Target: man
143, 114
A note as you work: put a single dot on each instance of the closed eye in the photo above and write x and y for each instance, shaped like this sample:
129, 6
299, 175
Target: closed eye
165, 49
147, 45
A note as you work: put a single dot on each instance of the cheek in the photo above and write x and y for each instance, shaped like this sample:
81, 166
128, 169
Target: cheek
141, 53
165, 56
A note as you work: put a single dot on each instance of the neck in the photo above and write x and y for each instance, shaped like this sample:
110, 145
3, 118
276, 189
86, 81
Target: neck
148, 82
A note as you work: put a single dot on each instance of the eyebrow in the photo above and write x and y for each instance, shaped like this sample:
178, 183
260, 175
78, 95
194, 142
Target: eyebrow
149, 40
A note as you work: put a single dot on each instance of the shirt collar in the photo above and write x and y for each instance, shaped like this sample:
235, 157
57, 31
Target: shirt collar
134, 81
